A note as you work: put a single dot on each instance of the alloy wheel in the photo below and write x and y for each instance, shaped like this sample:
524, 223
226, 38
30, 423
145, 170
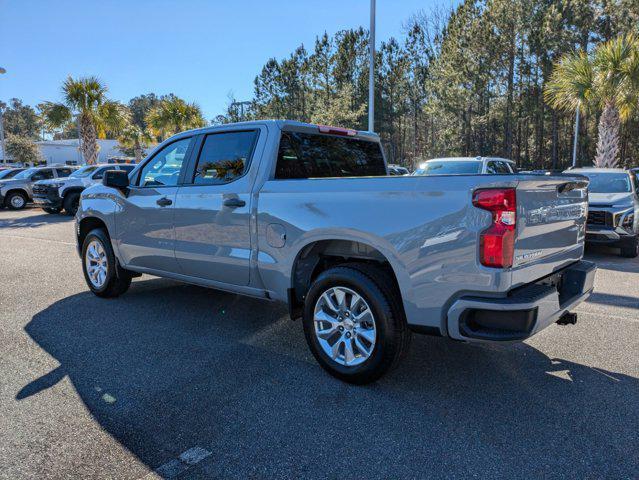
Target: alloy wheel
17, 201
96, 263
344, 326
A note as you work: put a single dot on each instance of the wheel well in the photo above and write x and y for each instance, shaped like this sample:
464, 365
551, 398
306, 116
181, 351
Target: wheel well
72, 190
19, 190
88, 224
319, 256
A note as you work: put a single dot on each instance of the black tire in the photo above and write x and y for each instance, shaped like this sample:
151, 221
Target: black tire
13, 198
51, 210
631, 248
71, 202
375, 286
118, 280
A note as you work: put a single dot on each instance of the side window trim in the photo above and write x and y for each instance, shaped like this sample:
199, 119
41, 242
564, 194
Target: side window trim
189, 174
185, 163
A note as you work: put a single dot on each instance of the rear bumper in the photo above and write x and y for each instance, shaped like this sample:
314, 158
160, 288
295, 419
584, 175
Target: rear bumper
525, 311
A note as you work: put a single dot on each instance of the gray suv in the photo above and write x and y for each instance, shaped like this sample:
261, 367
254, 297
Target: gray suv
16, 192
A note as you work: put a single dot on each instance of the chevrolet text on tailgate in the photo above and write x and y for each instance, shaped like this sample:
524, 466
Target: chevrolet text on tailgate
307, 215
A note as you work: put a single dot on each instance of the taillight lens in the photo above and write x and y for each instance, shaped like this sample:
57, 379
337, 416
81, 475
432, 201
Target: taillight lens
497, 242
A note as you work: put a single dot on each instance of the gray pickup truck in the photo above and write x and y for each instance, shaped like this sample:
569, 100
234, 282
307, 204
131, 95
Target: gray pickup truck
307, 215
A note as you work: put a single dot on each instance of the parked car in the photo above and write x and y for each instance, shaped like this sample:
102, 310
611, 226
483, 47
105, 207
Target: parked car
306, 215
8, 173
466, 166
397, 170
16, 192
613, 209
56, 194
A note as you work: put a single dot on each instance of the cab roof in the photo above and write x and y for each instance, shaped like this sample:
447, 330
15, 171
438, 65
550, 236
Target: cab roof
288, 125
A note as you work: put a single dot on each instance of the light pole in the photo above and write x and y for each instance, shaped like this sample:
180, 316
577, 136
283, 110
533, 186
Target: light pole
574, 147
4, 155
371, 71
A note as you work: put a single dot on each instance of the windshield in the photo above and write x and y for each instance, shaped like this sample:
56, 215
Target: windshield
608, 182
26, 173
84, 171
5, 174
449, 167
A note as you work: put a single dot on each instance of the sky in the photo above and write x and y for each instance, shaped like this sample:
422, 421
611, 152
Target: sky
200, 50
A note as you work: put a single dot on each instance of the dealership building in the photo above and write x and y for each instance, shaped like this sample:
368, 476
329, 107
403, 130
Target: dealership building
67, 152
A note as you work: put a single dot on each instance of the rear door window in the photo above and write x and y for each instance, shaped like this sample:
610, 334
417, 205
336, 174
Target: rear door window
42, 175
224, 157
303, 155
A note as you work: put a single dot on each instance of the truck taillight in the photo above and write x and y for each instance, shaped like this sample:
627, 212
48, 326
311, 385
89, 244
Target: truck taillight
497, 242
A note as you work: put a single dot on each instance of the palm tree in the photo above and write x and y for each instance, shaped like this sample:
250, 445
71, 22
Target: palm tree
606, 79
85, 99
173, 115
137, 139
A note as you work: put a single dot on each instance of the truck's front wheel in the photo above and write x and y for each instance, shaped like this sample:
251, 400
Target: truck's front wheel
16, 200
102, 273
630, 249
71, 202
354, 323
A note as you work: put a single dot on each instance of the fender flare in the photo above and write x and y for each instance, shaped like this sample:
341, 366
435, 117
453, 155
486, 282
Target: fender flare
71, 190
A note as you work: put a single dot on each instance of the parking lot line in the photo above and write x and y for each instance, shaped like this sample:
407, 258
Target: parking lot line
37, 238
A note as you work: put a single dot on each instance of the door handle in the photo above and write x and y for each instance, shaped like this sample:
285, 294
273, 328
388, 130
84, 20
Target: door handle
164, 202
234, 202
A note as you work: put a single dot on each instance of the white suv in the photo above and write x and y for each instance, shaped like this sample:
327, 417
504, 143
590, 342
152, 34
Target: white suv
467, 166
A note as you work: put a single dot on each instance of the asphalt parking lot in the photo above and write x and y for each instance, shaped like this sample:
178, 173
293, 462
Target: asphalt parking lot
179, 381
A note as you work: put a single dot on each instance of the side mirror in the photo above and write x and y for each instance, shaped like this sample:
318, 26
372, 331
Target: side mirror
116, 179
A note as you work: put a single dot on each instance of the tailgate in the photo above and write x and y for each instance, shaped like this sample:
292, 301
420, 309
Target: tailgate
551, 219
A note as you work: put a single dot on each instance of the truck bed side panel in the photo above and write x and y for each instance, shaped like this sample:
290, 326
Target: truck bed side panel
426, 227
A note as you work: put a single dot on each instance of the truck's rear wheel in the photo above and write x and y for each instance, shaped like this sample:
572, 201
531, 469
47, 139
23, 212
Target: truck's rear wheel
353, 323
102, 273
